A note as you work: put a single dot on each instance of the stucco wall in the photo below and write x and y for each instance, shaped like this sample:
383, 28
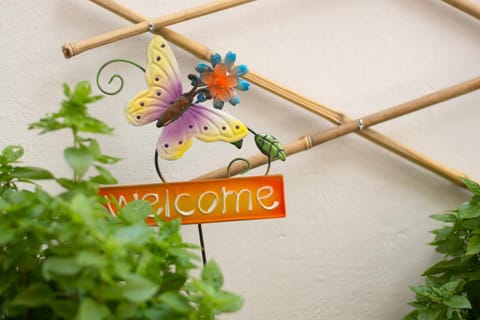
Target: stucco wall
357, 216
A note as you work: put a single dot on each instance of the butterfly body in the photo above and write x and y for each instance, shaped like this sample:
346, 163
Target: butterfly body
174, 112
181, 119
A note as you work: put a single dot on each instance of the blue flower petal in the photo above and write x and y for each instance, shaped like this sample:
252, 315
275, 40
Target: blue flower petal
201, 97
202, 67
235, 100
240, 70
217, 103
230, 58
215, 59
194, 82
242, 85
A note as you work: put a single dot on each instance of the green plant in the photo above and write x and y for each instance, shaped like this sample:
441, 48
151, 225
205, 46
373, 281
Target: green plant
66, 257
452, 286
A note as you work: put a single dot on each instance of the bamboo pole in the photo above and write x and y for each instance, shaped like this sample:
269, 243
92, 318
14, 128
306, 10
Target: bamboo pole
331, 115
75, 48
360, 125
466, 6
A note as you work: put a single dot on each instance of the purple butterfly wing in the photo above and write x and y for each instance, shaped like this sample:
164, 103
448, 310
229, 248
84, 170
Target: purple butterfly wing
204, 123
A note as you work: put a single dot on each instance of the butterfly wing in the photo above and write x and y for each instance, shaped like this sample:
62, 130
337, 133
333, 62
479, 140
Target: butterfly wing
204, 123
163, 81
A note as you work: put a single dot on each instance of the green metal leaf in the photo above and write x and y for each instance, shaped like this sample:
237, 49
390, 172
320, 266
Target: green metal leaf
238, 144
270, 146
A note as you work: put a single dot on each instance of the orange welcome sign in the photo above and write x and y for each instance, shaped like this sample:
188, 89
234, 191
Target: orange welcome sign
205, 201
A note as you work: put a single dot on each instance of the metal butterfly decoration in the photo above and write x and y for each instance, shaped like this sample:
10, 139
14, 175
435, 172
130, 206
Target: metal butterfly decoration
180, 116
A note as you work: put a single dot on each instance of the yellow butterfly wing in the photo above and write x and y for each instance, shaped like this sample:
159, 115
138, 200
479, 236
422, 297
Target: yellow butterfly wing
164, 85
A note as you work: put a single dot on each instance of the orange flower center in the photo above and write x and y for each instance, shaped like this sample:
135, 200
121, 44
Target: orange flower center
220, 82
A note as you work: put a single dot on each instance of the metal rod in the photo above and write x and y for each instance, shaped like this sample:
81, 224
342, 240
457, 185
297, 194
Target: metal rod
202, 244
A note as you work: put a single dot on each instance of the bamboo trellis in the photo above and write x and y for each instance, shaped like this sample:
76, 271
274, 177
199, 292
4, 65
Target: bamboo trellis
344, 123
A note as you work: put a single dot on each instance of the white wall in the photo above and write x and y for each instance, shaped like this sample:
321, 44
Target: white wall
354, 238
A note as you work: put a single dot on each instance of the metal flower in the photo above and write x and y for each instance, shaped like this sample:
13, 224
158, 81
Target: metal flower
222, 78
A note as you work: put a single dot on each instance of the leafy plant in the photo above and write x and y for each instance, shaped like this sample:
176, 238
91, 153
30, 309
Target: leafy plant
66, 257
452, 286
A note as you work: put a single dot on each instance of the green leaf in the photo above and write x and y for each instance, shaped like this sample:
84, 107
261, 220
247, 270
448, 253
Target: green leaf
445, 217
35, 295
138, 289
107, 159
473, 246
472, 185
443, 266
137, 234
429, 314
469, 210
411, 316
105, 177
94, 148
12, 153
91, 259
455, 314
92, 125
176, 301
6, 234
452, 246
64, 308
79, 159
66, 266
47, 125
92, 310
66, 90
32, 173
66, 183
452, 287
458, 301
81, 205
212, 275
136, 211
82, 91
422, 290
227, 302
